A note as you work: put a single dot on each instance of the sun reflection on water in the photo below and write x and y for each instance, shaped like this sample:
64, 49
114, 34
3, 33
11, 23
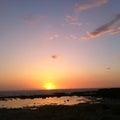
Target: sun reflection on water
20, 103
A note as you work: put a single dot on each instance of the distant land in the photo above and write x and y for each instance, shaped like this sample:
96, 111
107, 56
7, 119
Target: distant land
105, 93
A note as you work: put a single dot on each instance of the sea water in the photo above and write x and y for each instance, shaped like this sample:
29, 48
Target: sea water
36, 102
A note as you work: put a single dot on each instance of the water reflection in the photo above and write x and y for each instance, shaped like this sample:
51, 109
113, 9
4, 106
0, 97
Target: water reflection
20, 103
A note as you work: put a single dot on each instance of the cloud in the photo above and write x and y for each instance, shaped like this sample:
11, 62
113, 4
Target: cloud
54, 36
33, 19
108, 68
71, 37
111, 27
72, 20
91, 4
54, 56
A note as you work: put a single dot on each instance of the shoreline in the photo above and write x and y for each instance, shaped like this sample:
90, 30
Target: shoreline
107, 109
62, 112
113, 93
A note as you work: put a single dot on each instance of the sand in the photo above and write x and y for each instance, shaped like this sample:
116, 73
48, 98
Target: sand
77, 112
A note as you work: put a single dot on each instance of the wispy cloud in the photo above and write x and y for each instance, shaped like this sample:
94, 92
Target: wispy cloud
91, 4
111, 27
72, 20
33, 19
55, 36
71, 37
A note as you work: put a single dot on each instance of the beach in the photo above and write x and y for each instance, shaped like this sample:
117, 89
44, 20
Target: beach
59, 59
76, 112
107, 108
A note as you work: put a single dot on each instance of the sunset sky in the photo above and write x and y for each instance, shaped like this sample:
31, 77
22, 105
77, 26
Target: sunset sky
59, 44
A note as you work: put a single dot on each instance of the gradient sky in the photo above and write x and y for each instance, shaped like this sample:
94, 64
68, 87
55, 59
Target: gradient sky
67, 43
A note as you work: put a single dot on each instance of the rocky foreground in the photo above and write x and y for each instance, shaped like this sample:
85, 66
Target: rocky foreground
76, 112
107, 109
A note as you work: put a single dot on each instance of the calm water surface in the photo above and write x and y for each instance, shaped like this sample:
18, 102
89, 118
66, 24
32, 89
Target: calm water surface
36, 102
20, 103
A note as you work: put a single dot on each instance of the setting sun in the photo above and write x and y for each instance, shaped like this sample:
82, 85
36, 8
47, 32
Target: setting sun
49, 86
45, 47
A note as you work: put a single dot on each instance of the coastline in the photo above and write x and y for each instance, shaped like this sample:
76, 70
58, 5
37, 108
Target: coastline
105, 92
54, 112
107, 109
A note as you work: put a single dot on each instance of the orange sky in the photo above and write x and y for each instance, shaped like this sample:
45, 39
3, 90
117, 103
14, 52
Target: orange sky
59, 44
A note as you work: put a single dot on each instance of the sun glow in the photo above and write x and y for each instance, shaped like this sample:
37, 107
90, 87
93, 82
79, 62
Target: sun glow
49, 86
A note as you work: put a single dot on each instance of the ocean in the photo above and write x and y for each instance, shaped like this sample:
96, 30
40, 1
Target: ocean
39, 92
13, 102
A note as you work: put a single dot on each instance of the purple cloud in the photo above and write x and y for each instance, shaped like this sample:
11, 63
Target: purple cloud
91, 4
109, 27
